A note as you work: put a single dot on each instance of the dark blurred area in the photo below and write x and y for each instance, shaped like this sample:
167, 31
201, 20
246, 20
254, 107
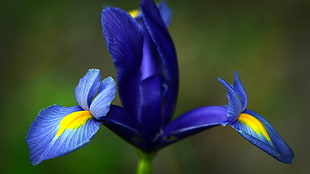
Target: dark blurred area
46, 46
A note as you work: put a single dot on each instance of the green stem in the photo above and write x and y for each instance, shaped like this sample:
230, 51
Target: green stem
145, 163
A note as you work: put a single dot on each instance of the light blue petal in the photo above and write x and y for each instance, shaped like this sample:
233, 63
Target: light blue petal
101, 104
239, 88
234, 103
50, 137
87, 88
257, 130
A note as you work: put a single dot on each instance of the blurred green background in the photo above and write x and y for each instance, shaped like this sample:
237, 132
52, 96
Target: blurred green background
46, 46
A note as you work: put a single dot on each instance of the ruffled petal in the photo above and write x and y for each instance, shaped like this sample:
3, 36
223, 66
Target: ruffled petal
156, 28
87, 88
234, 103
100, 106
59, 130
240, 90
257, 130
194, 121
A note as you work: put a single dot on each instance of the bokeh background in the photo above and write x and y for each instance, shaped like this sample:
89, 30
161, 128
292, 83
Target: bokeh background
46, 46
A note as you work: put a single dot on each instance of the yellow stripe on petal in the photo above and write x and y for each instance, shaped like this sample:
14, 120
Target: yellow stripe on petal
134, 13
73, 121
254, 124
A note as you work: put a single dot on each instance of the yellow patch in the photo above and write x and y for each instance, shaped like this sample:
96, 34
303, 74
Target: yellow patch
134, 13
73, 120
254, 124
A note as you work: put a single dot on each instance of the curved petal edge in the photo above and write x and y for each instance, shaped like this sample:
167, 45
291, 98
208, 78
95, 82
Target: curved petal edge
59, 130
258, 131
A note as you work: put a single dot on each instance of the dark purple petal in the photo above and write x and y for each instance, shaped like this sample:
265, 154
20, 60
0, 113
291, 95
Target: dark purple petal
194, 121
257, 130
151, 63
150, 116
160, 36
124, 40
123, 124
240, 90
87, 88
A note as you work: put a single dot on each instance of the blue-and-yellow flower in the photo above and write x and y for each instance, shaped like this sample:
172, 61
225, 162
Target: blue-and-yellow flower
59, 130
146, 62
147, 78
252, 126
249, 124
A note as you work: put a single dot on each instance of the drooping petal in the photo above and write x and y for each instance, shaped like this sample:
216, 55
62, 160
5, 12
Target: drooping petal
156, 28
124, 39
234, 103
87, 88
123, 124
59, 130
240, 90
194, 121
257, 130
100, 106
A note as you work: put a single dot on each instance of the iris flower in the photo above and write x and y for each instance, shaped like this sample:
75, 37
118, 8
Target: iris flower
59, 130
249, 124
147, 78
146, 62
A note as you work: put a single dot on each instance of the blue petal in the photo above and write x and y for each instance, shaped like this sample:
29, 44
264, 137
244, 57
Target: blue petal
55, 132
160, 36
257, 130
124, 125
239, 88
151, 63
234, 103
150, 116
124, 39
100, 106
165, 12
194, 121
87, 88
